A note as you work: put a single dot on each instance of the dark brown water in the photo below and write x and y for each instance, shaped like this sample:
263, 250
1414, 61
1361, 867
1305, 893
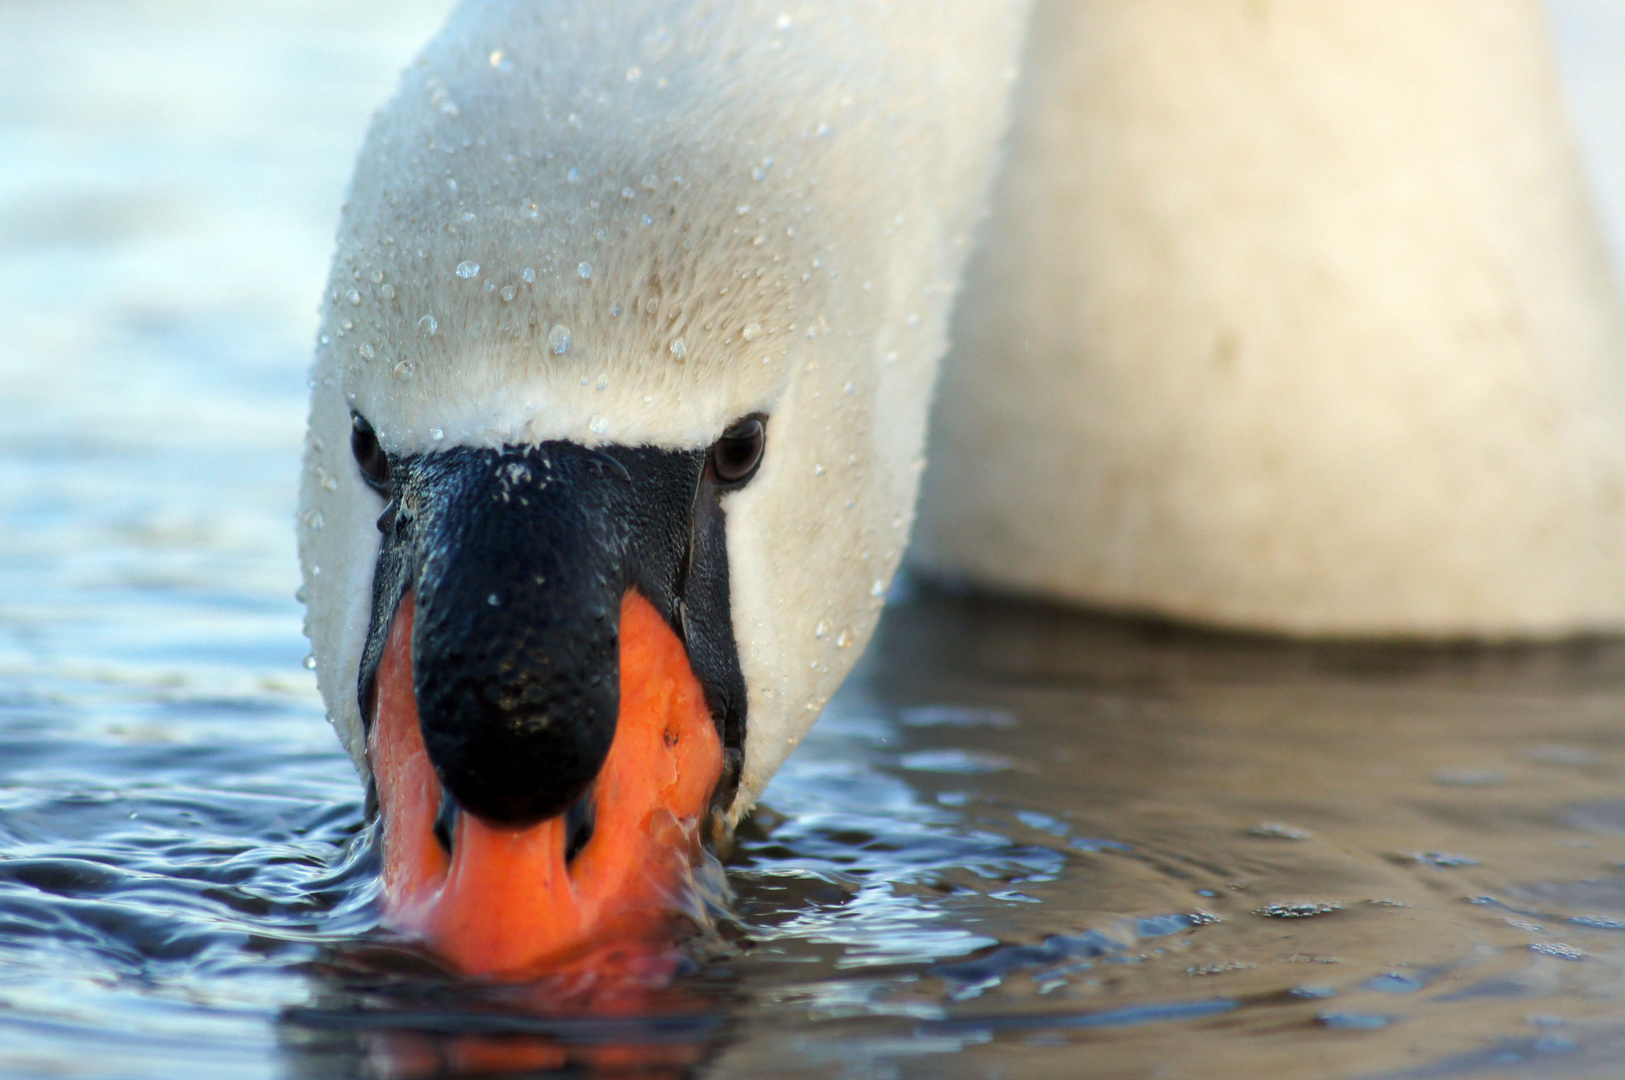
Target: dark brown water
1022, 843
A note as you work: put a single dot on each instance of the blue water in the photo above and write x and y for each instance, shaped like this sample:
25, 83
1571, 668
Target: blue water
1021, 843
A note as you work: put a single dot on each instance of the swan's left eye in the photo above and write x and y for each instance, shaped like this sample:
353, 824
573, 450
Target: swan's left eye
369, 454
735, 456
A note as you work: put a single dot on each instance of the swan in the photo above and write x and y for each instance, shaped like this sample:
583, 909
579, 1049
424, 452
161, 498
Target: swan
618, 414
1311, 308
620, 401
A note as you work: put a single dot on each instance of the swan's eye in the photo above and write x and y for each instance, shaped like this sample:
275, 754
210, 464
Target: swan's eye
368, 454
736, 455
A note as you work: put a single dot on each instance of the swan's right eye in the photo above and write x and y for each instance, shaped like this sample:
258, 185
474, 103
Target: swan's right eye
735, 456
369, 454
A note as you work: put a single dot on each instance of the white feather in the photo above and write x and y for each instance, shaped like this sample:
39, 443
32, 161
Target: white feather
1295, 316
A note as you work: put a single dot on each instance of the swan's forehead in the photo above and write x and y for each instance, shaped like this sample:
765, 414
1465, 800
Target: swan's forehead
486, 394
514, 329
519, 264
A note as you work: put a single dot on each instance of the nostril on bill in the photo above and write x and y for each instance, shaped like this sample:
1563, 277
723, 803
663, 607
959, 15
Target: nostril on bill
578, 825
445, 823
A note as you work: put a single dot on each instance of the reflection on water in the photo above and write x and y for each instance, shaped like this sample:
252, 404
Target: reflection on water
1022, 842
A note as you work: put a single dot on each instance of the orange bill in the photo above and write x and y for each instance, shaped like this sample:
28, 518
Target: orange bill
505, 901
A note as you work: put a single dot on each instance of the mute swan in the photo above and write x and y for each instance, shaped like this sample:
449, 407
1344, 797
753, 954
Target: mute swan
631, 327
1313, 315
620, 400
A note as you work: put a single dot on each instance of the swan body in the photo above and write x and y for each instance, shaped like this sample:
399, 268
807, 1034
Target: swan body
1291, 317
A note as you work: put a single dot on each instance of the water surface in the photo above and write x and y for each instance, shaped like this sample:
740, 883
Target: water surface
1022, 843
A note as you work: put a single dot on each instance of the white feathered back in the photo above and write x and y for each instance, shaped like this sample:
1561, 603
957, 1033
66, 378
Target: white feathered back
1293, 316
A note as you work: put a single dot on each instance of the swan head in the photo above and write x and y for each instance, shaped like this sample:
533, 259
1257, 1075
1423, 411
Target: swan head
617, 419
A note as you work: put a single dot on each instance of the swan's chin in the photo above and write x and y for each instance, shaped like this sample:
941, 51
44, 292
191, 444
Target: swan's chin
510, 901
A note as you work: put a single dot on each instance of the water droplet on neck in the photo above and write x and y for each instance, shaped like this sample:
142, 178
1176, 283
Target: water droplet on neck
585, 270
558, 339
428, 325
468, 269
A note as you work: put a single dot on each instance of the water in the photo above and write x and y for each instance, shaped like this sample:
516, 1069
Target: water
1022, 842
